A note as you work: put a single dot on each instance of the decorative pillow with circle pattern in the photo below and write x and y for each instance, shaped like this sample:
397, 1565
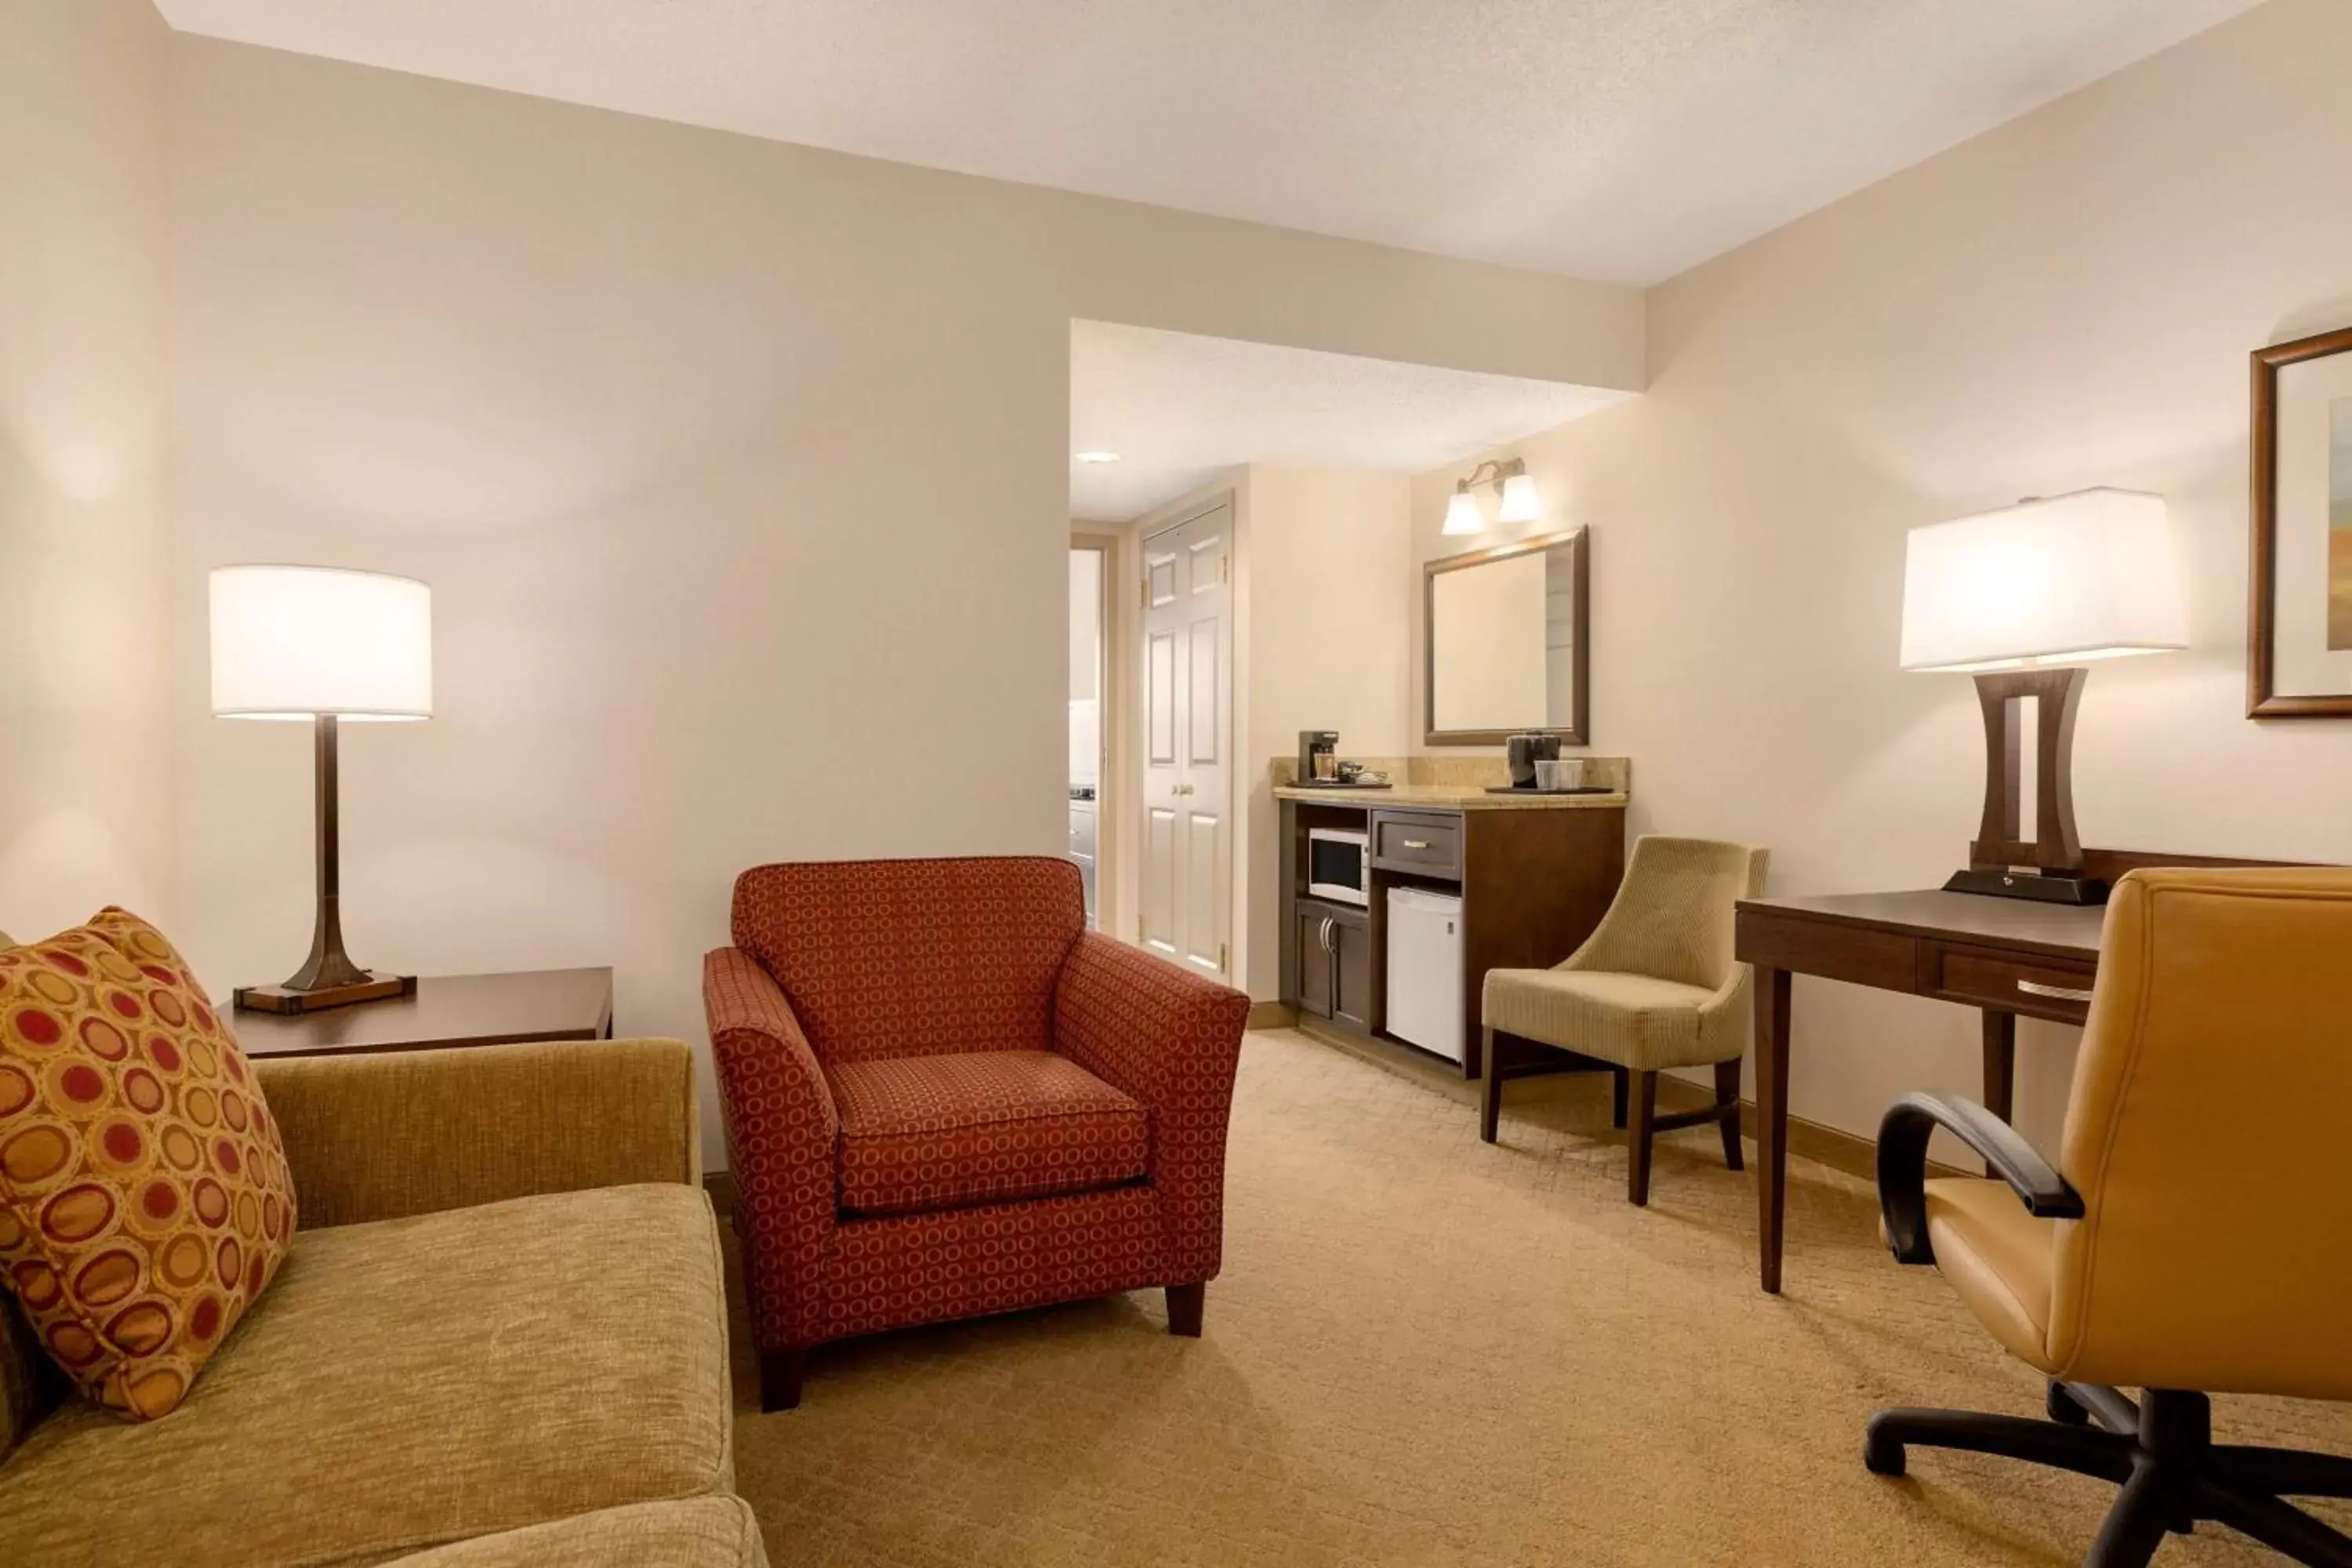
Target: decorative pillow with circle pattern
144, 1198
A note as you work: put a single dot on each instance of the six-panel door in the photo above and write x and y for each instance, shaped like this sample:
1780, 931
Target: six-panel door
1187, 874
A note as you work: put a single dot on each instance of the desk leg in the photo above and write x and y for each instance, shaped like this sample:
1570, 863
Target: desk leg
1999, 1064
1771, 1120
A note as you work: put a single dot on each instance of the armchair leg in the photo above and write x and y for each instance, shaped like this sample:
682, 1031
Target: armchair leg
1619, 1081
1643, 1135
780, 1377
1490, 1092
1726, 1099
1184, 1304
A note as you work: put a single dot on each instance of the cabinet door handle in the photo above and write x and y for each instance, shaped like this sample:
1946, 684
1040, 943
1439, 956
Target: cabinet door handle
2057, 992
1324, 936
1416, 843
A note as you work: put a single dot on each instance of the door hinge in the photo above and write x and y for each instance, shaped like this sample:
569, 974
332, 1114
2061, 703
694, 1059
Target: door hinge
1223, 966
1144, 592
1224, 563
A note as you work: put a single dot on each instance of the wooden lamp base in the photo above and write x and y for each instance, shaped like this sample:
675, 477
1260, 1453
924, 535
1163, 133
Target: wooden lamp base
2003, 863
375, 987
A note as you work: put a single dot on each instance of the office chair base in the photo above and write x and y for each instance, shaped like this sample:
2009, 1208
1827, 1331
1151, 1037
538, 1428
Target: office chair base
2161, 1451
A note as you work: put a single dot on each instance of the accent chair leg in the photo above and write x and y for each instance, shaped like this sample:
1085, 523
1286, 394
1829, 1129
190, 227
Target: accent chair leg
1726, 1097
1642, 1136
1619, 1081
1184, 1304
780, 1377
1490, 1092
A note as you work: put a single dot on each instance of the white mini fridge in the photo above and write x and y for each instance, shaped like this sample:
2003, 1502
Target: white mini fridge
1425, 969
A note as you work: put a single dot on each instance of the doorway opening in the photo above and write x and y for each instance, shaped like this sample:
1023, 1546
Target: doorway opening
1090, 573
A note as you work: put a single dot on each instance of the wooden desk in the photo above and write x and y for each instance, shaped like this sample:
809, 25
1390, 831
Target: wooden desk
2006, 956
447, 1010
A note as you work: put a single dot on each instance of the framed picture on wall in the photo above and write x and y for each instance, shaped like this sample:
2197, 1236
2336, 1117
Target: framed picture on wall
2299, 622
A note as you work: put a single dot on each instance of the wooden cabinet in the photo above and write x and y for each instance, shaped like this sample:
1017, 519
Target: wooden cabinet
1533, 882
1309, 979
1352, 970
1329, 975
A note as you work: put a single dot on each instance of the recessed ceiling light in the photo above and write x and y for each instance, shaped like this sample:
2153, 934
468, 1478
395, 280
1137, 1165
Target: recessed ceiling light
1098, 456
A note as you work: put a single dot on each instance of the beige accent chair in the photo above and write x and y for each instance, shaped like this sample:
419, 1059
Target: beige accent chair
501, 1340
2191, 1238
1653, 987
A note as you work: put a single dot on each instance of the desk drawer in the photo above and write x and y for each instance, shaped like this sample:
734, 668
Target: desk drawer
1431, 845
1835, 949
2038, 987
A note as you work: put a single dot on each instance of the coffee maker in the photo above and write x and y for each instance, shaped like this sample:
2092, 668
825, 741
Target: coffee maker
1319, 756
1522, 753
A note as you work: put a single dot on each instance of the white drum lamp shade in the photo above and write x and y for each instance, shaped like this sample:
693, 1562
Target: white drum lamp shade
2093, 575
302, 642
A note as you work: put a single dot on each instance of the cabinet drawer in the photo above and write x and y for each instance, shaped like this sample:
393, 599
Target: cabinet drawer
1429, 844
2040, 988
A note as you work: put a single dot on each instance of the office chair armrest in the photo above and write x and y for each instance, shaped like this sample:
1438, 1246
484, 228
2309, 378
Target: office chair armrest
1903, 1167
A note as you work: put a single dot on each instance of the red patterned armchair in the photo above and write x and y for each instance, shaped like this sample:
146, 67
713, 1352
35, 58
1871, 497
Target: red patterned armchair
945, 1097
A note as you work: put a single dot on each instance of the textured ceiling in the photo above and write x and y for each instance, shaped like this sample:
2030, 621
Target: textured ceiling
1180, 409
1616, 140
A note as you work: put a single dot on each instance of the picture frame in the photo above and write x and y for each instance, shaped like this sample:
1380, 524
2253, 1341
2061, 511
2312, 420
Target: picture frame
2299, 578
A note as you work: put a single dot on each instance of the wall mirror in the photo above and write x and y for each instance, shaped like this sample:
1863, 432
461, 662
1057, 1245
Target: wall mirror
1503, 642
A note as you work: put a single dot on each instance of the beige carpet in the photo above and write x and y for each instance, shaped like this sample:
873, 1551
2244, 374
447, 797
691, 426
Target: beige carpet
1426, 1351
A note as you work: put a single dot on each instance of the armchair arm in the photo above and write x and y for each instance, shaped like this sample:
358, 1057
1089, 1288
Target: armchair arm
784, 1134
403, 1133
1172, 1040
1903, 1167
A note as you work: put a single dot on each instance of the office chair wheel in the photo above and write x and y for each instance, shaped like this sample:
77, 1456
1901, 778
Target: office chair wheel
1882, 1455
2062, 1407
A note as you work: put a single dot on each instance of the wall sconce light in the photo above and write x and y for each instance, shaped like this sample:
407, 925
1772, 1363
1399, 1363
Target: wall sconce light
1510, 479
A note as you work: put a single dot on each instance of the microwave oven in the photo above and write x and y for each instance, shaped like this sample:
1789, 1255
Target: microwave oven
1338, 865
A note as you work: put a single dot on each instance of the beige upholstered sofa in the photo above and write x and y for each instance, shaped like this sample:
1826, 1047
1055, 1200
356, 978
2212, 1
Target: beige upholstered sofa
500, 1339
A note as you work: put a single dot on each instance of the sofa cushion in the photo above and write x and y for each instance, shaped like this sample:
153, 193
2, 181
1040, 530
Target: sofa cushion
934, 1133
144, 1199
911, 958
708, 1533
414, 1382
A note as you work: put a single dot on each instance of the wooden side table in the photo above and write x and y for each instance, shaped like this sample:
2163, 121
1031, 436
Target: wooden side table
446, 1010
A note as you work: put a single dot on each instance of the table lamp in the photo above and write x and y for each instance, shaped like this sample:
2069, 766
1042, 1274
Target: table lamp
316, 644
2021, 598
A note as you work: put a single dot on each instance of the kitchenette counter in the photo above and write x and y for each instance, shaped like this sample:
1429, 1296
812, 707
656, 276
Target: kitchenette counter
1450, 797
1516, 881
1458, 784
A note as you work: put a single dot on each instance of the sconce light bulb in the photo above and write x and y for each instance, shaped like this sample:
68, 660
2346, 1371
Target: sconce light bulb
1462, 513
1520, 503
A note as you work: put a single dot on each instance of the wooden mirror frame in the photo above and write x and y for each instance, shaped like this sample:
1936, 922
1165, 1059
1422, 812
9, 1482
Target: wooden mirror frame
1578, 732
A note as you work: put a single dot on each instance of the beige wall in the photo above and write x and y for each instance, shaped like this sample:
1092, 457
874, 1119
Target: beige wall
2067, 301
1327, 632
85, 747
738, 470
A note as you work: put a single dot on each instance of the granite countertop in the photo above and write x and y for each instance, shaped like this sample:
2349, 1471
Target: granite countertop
1458, 784
1451, 797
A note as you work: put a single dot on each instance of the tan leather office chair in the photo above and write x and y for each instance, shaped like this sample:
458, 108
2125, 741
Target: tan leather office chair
2196, 1237
1653, 987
